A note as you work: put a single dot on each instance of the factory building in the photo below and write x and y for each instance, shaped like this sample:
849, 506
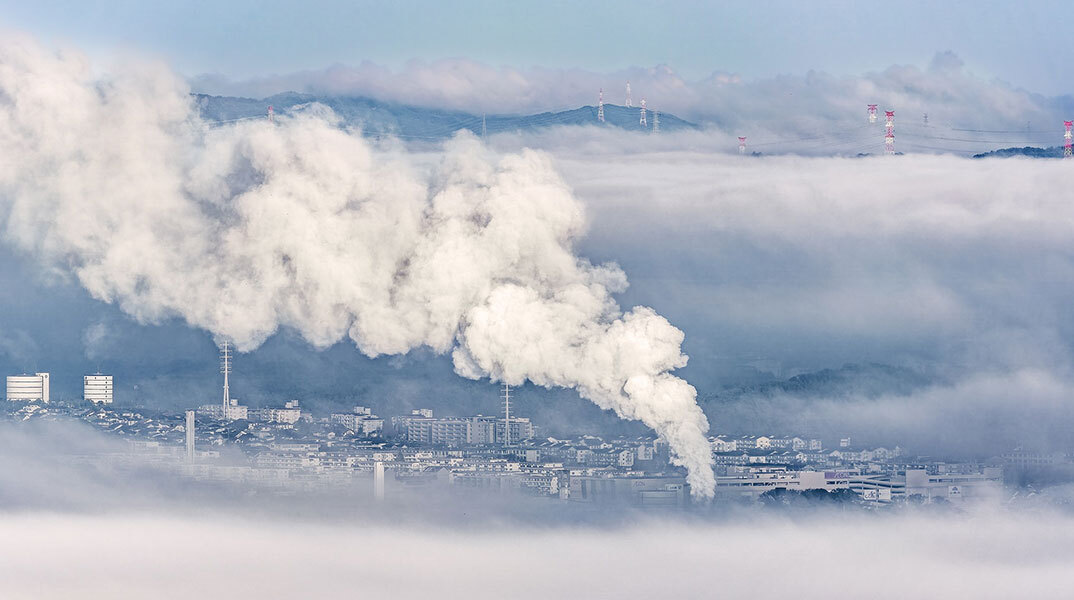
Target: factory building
24, 388
97, 388
638, 491
750, 482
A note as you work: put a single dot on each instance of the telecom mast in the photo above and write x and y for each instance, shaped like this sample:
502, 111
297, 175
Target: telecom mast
600, 106
1066, 139
628, 102
889, 137
506, 414
872, 113
741, 144
271, 115
656, 121
225, 368
642, 120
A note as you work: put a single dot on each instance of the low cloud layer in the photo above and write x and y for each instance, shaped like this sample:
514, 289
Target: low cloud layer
958, 270
102, 529
989, 556
954, 260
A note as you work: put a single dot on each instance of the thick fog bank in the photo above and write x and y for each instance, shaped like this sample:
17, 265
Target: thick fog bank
999, 556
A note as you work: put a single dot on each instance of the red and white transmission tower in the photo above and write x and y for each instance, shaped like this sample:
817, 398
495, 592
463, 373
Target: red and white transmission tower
628, 102
1066, 139
872, 113
225, 368
271, 115
642, 119
741, 144
600, 106
889, 137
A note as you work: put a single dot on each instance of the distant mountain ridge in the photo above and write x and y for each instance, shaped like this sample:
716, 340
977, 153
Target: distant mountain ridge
376, 118
867, 380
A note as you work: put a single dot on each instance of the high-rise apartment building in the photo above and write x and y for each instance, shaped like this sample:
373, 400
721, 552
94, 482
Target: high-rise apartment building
97, 388
28, 387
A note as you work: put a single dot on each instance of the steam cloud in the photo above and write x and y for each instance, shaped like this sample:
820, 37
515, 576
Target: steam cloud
244, 229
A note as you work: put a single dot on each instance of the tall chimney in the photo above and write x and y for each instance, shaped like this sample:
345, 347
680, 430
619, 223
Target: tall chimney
378, 481
190, 436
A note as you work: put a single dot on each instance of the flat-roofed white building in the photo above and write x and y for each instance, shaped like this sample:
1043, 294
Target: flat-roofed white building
28, 387
97, 388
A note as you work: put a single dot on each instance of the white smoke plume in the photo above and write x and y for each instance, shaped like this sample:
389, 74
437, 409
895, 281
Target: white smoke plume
244, 229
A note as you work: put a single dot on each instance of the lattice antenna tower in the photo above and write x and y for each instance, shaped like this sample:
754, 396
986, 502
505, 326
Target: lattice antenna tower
600, 106
889, 135
506, 414
225, 368
1066, 139
741, 144
872, 113
271, 115
628, 101
641, 121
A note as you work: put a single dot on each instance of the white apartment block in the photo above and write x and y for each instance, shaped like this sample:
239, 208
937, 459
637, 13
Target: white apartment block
97, 388
28, 387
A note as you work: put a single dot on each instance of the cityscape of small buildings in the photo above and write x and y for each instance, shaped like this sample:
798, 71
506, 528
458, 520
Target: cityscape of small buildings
288, 447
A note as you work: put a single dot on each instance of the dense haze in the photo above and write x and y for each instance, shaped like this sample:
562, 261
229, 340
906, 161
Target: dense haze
1013, 557
958, 272
133, 531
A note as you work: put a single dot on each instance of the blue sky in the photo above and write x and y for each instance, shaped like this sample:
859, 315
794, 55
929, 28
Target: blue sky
1022, 43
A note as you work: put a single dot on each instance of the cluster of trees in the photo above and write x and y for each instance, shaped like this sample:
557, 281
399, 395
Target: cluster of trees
1030, 151
784, 498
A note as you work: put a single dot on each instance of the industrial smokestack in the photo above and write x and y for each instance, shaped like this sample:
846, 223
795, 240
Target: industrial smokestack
190, 436
378, 481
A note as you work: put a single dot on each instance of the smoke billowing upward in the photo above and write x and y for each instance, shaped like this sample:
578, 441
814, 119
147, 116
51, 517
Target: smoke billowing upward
244, 229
